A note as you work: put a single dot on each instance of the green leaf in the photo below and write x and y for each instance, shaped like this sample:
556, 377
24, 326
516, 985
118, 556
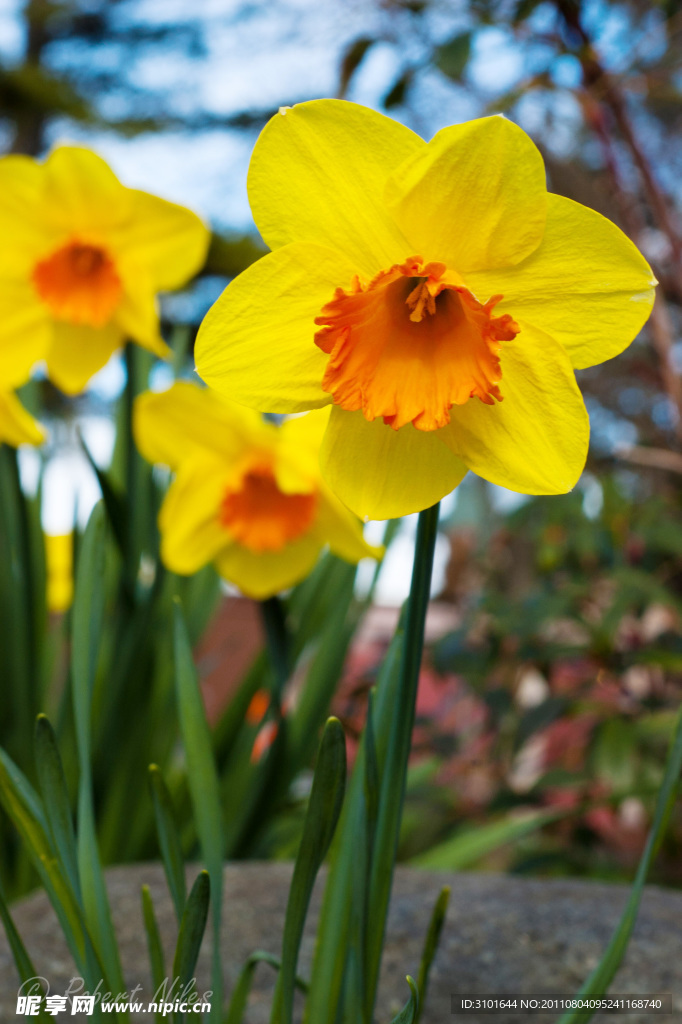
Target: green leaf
469, 846
351, 61
241, 991
156, 959
604, 973
408, 1014
25, 810
273, 614
19, 674
394, 728
324, 808
192, 928
397, 94
87, 623
348, 874
140, 525
615, 755
203, 784
452, 57
169, 839
87, 616
430, 946
228, 255
321, 682
56, 799
22, 960
114, 501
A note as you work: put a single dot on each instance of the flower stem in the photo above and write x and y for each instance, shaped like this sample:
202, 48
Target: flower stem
394, 769
278, 645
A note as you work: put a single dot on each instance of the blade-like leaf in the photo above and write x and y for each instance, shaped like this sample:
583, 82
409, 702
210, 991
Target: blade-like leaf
466, 848
203, 784
408, 1014
395, 729
114, 502
192, 928
156, 959
604, 973
169, 839
22, 960
88, 614
430, 946
56, 799
24, 808
348, 876
324, 807
241, 991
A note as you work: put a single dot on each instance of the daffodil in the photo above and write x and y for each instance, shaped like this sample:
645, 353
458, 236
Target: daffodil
247, 495
435, 294
82, 260
17, 426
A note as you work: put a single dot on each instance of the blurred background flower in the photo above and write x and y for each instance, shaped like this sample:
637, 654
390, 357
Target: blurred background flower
247, 495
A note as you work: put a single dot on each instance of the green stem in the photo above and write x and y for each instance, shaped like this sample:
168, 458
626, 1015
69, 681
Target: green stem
394, 772
278, 645
137, 473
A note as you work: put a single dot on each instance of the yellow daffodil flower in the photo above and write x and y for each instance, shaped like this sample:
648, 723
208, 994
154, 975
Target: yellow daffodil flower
59, 558
247, 495
81, 265
17, 426
434, 293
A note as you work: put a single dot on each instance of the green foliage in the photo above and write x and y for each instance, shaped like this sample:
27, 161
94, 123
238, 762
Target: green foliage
604, 973
430, 947
169, 839
566, 661
351, 927
452, 57
324, 807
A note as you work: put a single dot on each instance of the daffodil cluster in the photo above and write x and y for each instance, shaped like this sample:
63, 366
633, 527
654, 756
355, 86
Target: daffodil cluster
435, 295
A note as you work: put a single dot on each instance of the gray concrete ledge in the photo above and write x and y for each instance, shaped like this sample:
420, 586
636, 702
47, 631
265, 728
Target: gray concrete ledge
502, 934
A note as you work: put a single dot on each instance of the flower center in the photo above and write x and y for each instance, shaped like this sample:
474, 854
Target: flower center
411, 344
260, 516
79, 283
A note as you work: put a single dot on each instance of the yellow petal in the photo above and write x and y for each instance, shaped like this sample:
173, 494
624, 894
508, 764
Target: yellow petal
256, 344
191, 532
25, 332
587, 284
338, 527
265, 574
59, 557
169, 241
77, 352
21, 192
534, 441
82, 193
381, 473
17, 426
137, 317
297, 469
474, 198
318, 173
170, 426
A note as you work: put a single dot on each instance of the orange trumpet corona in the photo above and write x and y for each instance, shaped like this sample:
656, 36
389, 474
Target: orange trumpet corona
260, 516
411, 344
79, 284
